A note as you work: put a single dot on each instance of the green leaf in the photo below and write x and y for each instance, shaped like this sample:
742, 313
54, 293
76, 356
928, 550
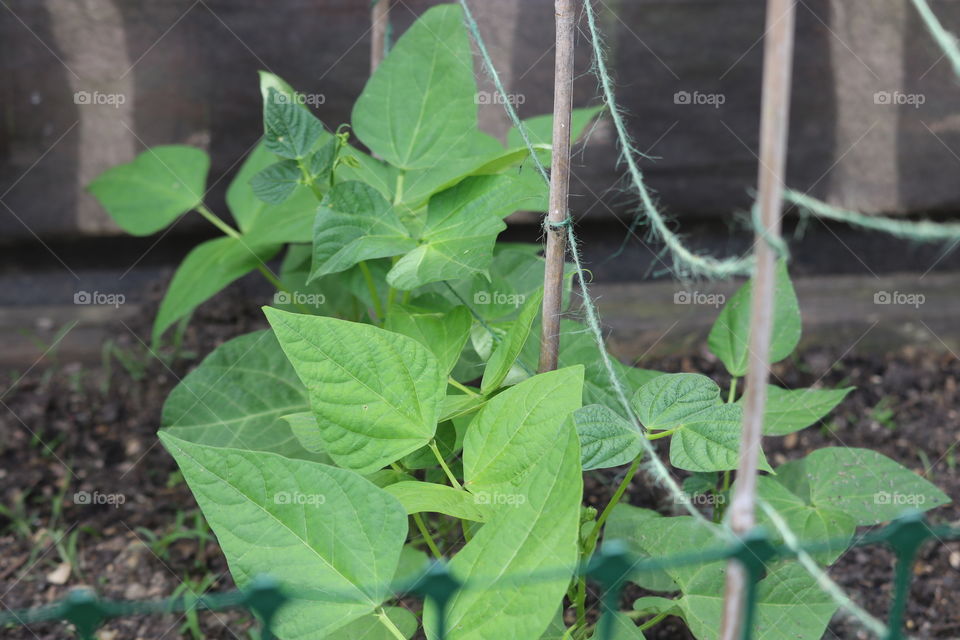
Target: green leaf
507, 352
655, 605
729, 338
540, 128
327, 296
207, 269
290, 221
710, 440
810, 524
647, 534
369, 627
671, 400
445, 334
320, 163
420, 101
376, 394
225, 403
474, 150
270, 81
623, 628
417, 497
534, 524
245, 206
354, 224
606, 439
275, 183
304, 426
461, 228
289, 130
149, 193
288, 518
789, 411
866, 485
517, 427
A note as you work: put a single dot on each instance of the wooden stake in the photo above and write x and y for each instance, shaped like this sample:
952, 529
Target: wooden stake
774, 126
558, 217
379, 21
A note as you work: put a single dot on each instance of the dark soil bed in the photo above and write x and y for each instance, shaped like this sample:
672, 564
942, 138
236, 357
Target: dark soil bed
66, 429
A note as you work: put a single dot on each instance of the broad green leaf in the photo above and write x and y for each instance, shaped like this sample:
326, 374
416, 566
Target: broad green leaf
379, 175
729, 338
789, 411
473, 151
557, 628
866, 485
458, 405
376, 394
517, 427
304, 426
540, 128
369, 627
810, 524
290, 221
447, 442
445, 334
320, 163
354, 223
516, 273
289, 130
534, 526
606, 439
327, 296
225, 402
206, 270
418, 497
461, 228
413, 563
275, 183
671, 400
710, 440
288, 518
623, 628
420, 101
243, 203
149, 193
507, 352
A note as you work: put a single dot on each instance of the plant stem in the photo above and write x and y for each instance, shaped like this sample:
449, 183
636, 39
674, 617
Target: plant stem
558, 216
662, 434
372, 288
427, 536
652, 621
591, 541
443, 465
217, 222
581, 623
733, 390
462, 387
388, 623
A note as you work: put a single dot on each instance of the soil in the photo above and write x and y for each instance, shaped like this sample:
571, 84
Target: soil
67, 429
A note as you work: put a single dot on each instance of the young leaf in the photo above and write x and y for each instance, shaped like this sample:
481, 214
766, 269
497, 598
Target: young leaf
791, 410
517, 427
420, 101
461, 228
866, 485
606, 439
225, 403
417, 497
149, 193
288, 518
289, 130
376, 394
730, 336
445, 334
354, 224
206, 270
671, 400
710, 440
507, 352
275, 183
245, 206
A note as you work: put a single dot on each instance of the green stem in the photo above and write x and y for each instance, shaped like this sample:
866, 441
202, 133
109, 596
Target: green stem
581, 623
372, 288
388, 623
217, 222
467, 390
662, 434
275, 281
733, 390
652, 621
591, 541
398, 195
427, 536
443, 465
317, 191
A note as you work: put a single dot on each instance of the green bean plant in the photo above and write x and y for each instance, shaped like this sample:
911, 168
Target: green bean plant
391, 411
